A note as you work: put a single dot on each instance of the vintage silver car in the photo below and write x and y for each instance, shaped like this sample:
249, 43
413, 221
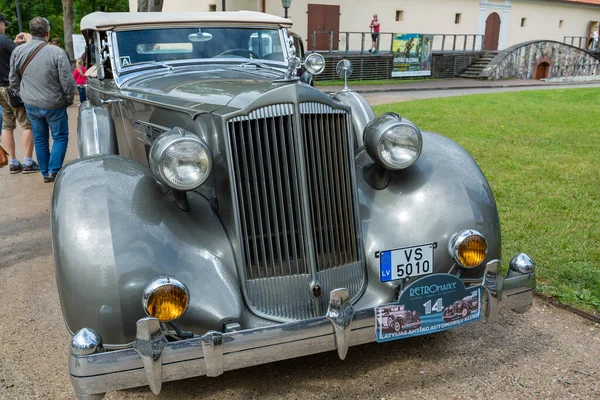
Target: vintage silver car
224, 213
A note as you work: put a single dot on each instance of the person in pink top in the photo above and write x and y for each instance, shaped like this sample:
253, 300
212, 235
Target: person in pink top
80, 79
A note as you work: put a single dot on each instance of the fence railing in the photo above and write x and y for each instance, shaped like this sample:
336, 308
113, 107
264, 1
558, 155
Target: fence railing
346, 42
583, 42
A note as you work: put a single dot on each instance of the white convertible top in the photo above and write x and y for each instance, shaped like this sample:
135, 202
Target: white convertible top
108, 21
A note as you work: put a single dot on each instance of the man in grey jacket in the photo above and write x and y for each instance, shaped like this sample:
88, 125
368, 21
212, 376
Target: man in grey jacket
47, 88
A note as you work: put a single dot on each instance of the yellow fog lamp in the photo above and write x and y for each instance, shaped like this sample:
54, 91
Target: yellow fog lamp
468, 248
165, 299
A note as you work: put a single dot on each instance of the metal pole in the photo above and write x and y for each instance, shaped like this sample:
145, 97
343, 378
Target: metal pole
223, 5
286, 12
19, 17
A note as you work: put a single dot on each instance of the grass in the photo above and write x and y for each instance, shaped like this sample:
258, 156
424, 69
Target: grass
540, 151
370, 82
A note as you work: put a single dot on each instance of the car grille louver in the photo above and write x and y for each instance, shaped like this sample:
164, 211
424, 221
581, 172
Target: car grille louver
296, 198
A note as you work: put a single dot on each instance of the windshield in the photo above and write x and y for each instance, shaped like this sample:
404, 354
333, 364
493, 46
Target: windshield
164, 45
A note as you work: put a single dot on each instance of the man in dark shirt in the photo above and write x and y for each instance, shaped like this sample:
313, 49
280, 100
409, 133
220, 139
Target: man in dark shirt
10, 115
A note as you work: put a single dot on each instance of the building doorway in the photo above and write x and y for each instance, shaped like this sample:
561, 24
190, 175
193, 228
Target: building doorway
542, 71
492, 32
323, 19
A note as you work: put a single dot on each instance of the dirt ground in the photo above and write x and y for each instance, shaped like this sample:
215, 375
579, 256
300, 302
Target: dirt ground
548, 353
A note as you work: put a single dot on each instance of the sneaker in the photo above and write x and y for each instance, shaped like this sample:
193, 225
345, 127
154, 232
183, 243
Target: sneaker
50, 178
370, 50
15, 169
29, 169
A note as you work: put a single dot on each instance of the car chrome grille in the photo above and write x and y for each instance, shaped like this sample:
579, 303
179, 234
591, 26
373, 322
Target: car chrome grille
276, 161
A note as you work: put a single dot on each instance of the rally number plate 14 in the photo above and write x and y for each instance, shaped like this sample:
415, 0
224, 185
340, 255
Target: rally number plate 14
406, 262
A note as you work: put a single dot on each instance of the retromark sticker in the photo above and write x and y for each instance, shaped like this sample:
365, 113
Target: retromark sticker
431, 304
125, 61
406, 262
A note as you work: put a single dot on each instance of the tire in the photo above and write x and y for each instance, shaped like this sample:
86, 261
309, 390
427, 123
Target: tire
390, 321
464, 312
398, 325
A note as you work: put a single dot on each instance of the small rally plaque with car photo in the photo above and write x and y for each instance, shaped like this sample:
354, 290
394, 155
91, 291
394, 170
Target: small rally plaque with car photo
431, 304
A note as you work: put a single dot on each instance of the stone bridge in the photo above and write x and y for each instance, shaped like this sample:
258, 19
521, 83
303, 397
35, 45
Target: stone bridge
543, 59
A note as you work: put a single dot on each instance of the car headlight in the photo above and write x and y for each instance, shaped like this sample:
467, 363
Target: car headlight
180, 160
165, 299
314, 63
468, 248
392, 141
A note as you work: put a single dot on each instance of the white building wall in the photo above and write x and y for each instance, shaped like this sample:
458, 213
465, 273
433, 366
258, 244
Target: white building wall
425, 16
437, 17
542, 21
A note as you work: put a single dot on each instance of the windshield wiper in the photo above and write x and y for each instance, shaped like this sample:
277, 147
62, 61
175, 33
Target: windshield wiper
259, 65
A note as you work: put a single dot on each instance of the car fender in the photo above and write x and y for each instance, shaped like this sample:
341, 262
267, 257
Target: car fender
443, 192
95, 131
115, 229
362, 113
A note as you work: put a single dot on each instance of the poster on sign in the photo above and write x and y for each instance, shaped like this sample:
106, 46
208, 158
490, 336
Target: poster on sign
412, 54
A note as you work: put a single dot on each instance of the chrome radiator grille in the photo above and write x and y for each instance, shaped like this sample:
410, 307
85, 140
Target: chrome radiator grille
296, 202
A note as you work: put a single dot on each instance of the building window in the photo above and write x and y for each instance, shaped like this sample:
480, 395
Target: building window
457, 18
560, 24
523, 22
399, 15
212, 7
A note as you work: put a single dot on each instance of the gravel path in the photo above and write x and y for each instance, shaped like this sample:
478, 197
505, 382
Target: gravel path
546, 353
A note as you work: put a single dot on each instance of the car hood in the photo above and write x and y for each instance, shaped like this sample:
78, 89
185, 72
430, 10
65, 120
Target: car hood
202, 90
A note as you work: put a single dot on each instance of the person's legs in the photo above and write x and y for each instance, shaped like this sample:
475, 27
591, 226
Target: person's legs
82, 97
9, 124
59, 124
21, 116
40, 136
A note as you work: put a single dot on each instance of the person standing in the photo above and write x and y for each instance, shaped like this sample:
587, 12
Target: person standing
374, 33
10, 114
80, 79
47, 88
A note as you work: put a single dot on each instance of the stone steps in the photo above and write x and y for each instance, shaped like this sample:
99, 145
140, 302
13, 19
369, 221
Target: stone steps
476, 68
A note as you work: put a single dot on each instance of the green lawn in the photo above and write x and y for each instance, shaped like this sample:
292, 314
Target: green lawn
540, 151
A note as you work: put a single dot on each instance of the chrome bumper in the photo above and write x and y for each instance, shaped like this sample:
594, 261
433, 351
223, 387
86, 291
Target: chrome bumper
153, 360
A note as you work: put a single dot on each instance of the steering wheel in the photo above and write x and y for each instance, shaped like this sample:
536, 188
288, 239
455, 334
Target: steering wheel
239, 53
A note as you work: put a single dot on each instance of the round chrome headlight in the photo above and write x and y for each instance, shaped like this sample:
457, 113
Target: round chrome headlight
468, 248
314, 63
165, 299
392, 141
180, 160
344, 69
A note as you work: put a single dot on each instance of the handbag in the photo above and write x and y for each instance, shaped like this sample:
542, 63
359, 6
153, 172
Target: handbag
3, 157
14, 99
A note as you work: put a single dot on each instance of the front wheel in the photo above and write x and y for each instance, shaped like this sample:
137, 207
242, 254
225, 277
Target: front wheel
465, 312
398, 325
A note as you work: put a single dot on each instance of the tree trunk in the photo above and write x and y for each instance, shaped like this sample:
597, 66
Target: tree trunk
68, 26
155, 5
142, 5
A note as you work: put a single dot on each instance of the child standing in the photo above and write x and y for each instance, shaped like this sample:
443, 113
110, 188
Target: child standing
80, 79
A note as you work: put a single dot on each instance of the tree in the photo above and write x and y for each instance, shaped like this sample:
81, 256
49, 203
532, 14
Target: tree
150, 5
68, 26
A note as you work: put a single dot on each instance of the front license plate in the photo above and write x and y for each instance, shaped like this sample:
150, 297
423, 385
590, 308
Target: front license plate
430, 304
406, 262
